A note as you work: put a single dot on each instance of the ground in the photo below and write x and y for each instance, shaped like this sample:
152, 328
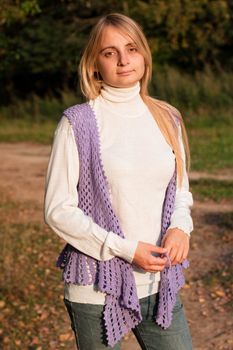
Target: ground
32, 315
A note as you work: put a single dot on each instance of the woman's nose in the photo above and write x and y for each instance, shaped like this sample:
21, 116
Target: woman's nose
123, 59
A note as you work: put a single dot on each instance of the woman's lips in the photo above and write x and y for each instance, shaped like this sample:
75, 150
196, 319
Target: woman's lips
128, 72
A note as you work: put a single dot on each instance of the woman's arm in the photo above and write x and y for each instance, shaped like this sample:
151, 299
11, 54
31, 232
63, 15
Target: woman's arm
181, 217
61, 200
176, 239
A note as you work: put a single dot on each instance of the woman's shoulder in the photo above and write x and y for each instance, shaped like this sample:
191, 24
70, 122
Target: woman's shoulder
76, 110
80, 116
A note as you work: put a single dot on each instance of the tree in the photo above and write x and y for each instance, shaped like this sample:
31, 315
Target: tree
41, 40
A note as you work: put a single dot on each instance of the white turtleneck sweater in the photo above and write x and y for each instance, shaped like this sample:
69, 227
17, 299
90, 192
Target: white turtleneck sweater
138, 163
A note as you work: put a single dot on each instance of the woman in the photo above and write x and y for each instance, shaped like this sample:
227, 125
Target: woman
117, 192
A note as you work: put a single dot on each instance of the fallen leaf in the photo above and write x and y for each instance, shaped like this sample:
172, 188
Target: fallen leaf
220, 293
201, 300
204, 313
35, 341
6, 340
2, 304
65, 337
44, 315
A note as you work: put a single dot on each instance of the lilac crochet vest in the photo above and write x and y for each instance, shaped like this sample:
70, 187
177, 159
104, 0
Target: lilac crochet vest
113, 277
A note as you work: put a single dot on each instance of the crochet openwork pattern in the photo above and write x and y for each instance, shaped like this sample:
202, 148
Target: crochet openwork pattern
113, 277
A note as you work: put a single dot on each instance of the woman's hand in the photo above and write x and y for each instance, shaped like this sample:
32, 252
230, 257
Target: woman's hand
145, 259
176, 242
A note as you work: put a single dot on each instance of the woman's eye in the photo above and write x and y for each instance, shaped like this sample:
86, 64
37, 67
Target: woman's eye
133, 49
109, 53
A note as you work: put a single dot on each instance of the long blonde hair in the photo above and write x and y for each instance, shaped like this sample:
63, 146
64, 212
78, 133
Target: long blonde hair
166, 116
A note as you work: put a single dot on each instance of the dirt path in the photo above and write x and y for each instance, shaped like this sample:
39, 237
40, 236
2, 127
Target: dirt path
224, 175
207, 292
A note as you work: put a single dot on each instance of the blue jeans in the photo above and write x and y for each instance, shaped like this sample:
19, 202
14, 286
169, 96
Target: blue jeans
87, 324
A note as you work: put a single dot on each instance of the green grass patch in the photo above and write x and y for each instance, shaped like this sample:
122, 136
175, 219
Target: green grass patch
211, 148
33, 119
208, 189
204, 99
36, 109
20, 130
206, 89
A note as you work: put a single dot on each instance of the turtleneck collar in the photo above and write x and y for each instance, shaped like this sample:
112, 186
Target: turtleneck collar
121, 102
119, 95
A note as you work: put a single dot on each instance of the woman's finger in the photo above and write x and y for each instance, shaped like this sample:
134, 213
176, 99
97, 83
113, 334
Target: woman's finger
155, 268
157, 261
173, 253
168, 246
156, 249
179, 254
185, 253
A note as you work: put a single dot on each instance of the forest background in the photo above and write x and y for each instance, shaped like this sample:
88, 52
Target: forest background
41, 42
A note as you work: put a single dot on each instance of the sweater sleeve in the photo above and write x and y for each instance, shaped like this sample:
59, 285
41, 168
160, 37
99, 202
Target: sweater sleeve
181, 217
61, 200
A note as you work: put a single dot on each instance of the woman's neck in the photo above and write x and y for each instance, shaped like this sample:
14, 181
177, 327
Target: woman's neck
120, 95
121, 102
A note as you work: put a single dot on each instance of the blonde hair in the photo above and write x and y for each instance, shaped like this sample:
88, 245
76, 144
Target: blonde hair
166, 116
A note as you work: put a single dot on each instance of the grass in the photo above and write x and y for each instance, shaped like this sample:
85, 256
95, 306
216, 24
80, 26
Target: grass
21, 130
204, 99
208, 189
33, 119
35, 109
211, 148
208, 89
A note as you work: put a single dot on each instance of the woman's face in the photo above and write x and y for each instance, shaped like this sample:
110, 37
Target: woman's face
119, 62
